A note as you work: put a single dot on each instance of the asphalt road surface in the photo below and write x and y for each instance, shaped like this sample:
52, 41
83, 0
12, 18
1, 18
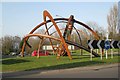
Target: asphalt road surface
103, 71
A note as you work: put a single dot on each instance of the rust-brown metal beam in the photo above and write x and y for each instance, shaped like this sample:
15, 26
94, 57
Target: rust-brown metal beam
46, 14
77, 30
49, 38
66, 19
41, 35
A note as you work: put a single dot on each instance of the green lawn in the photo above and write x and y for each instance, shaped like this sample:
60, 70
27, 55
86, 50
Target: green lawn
50, 62
95, 50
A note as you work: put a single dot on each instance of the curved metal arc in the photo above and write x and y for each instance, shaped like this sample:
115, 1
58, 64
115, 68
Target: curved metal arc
46, 14
41, 35
66, 19
64, 28
84, 34
24, 44
77, 30
84, 25
70, 27
56, 31
78, 36
48, 34
53, 25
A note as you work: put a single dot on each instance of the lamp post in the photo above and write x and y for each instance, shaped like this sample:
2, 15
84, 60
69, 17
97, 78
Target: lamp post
59, 16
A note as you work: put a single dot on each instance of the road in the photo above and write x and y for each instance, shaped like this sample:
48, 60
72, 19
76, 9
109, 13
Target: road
104, 71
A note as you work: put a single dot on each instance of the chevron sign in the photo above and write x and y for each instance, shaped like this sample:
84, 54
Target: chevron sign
115, 44
96, 44
101, 44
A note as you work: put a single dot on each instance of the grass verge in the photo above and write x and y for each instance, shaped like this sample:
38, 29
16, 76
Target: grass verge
51, 63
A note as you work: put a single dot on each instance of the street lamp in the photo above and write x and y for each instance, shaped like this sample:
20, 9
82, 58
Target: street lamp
59, 16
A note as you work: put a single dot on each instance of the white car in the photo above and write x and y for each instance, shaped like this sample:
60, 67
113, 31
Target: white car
13, 53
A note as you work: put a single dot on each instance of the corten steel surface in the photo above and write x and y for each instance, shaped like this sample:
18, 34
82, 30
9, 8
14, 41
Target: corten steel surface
48, 33
86, 36
69, 26
71, 31
67, 34
41, 35
57, 19
64, 20
46, 14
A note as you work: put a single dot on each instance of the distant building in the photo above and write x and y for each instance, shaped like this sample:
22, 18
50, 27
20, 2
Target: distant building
49, 47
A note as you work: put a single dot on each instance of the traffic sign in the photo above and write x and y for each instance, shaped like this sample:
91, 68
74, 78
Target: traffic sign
95, 44
115, 44
107, 45
103, 44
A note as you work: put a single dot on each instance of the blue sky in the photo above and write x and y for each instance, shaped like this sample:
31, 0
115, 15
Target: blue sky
19, 18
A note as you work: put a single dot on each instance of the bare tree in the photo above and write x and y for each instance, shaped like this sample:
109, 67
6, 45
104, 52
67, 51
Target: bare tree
35, 41
7, 46
112, 19
40, 31
10, 44
98, 29
0, 46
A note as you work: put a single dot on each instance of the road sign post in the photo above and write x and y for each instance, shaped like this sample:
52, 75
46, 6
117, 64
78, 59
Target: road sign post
91, 54
111, 51
104, 44
114, 45
101, 54
107, 46
96, 44
106, 51
97, 51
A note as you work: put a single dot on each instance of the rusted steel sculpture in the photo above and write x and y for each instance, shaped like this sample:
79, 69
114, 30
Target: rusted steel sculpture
64, 39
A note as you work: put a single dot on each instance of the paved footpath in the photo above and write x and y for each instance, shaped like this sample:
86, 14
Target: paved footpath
101, 71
